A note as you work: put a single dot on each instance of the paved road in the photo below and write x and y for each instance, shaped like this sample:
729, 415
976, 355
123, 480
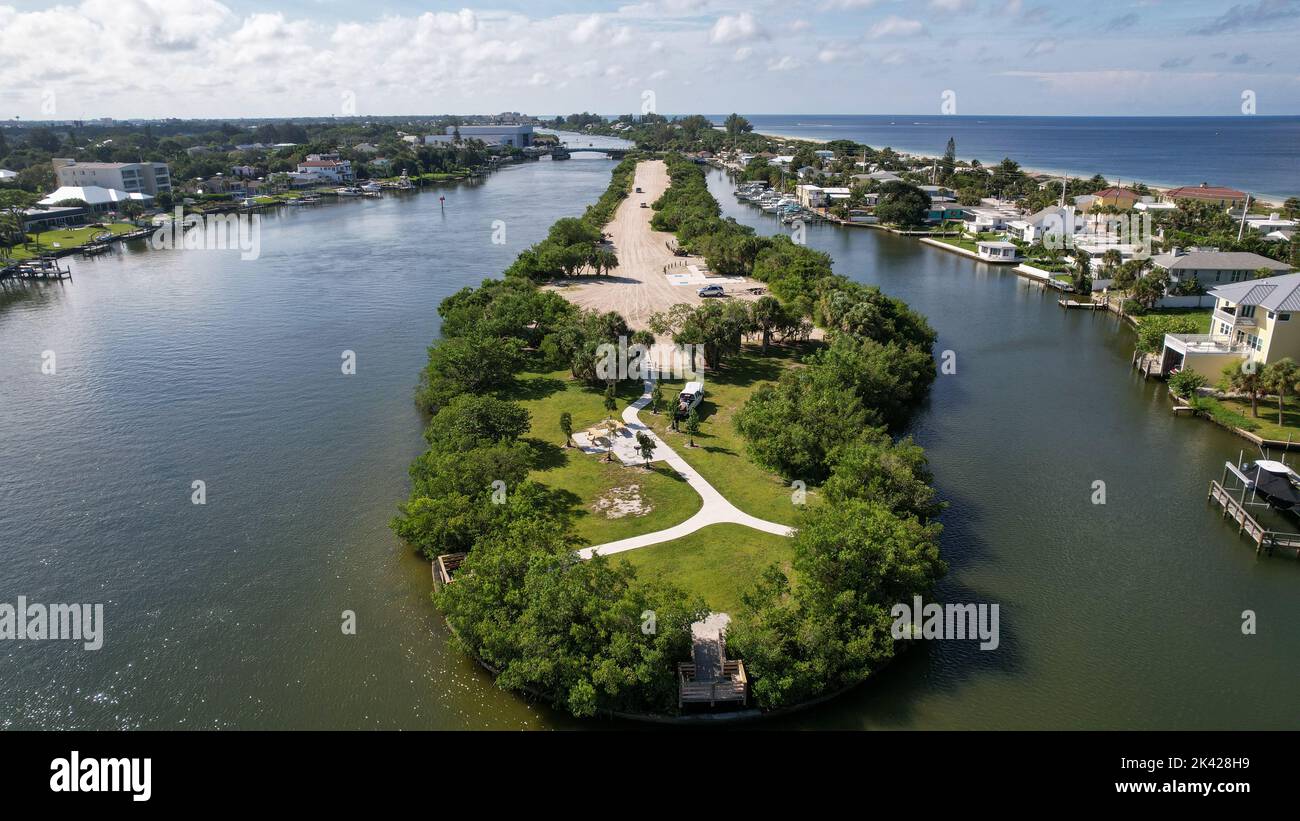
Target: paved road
715, 510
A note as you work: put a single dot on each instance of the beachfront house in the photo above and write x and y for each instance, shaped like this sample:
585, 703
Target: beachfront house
151, 178
1205, 193
1115, 197
1212, 267
1257, 320
1273, 227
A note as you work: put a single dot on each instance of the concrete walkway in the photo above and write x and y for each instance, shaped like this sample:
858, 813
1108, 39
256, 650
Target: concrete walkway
715, 510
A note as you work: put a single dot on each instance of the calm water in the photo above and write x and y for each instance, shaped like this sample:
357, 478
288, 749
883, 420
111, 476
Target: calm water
175, 366
1252, 153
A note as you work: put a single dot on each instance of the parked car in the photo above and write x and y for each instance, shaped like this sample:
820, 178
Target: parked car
690, 397
711, 290
639, 191
643, 205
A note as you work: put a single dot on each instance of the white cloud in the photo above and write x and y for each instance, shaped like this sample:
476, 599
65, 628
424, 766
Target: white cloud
895, 26
742, 54
786, 63
736, 29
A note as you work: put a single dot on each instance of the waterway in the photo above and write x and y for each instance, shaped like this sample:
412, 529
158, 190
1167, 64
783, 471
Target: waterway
176, 366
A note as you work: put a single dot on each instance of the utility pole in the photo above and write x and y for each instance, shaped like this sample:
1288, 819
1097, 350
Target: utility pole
1241, 229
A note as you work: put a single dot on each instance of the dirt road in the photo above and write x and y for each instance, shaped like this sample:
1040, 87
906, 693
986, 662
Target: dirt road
639, 286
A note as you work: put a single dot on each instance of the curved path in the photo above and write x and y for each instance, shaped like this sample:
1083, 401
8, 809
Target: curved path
715, 510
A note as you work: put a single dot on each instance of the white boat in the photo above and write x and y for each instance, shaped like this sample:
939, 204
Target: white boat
348, 192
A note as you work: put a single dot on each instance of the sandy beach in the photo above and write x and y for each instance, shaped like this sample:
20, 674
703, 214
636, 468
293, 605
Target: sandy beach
649, 277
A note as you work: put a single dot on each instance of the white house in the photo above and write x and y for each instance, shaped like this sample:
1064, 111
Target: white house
998, 251
152, 178
1051, 221
327, 168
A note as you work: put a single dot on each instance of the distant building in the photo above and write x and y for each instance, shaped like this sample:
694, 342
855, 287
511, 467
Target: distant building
152, 178
518, 136
327, 168
1211, 194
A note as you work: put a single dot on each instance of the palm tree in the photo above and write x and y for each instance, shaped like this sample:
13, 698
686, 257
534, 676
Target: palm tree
656, 398
645, 445
566, 427
1245, 378
1280, 377
692, 426
611, 404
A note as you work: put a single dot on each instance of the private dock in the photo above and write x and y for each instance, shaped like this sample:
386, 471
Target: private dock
1085, 306
35, 269
1238, 510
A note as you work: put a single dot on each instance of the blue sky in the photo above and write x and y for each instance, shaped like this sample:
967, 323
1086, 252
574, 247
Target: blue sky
191, 58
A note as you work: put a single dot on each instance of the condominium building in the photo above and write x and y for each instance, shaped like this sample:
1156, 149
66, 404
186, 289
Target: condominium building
151, 178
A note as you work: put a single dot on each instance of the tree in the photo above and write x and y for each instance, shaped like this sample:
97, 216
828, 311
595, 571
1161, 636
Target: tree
469, 364
902, 204
767, 314
13, 204
1245, 378
566, 427
1081, 277
1292, 207
737, 125
692, 426
656, 398
1186, 383
949, 162
645, 445
470, 421
611, 404
1280, 377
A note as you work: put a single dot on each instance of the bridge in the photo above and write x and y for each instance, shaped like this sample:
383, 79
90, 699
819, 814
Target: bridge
612, 153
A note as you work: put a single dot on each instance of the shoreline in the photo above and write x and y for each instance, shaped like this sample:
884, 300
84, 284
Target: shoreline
1271, 200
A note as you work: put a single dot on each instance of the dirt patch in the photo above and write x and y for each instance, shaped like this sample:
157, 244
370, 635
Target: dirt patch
621, 502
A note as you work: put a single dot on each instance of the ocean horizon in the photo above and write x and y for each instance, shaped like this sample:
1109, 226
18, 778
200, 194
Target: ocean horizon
1254, 153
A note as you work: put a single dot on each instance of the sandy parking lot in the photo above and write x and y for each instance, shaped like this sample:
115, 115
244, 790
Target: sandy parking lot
638, 287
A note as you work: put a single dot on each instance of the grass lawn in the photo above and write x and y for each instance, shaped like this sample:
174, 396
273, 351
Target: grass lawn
664, 495
719, 562
61, 238
964, 244
1267, 421
719, 454
1201, 315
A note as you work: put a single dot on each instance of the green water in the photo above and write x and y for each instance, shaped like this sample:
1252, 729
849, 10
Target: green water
175, 366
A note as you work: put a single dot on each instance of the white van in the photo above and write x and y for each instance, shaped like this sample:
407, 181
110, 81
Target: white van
690, 397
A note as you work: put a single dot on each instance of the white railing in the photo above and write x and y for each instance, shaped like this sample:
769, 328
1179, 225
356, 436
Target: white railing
1203, 343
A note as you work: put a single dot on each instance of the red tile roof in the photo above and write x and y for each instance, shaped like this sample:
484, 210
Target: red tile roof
1115, 192
1205, 192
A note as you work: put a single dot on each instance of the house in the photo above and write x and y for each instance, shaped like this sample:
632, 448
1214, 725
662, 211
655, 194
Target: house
1206, 193
880, 176
43, 219
152, 178
824, 154
1041, 226
939, 212
1212, 267
982, 219
939, 192
998, 251
365, 148
327, 168
97, 198
1153, 206
1273, 222
1116, 197
1256, 320
806, 172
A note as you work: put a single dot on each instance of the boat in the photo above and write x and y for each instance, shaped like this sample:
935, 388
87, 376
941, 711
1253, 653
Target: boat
1273, 481
348, 192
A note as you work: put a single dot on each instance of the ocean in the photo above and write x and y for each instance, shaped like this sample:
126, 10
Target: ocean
1260, 155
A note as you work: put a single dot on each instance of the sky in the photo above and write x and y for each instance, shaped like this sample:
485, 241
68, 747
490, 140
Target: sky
262, 58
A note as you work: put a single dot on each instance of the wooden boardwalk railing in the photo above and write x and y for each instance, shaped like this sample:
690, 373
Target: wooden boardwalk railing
1263, 538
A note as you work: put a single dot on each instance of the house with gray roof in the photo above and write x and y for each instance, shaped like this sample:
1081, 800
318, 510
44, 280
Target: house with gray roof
1212, 267
1256, 320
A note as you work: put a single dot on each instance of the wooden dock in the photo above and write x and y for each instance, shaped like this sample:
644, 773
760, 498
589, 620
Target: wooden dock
1085, 306
1265, 540
36, 269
